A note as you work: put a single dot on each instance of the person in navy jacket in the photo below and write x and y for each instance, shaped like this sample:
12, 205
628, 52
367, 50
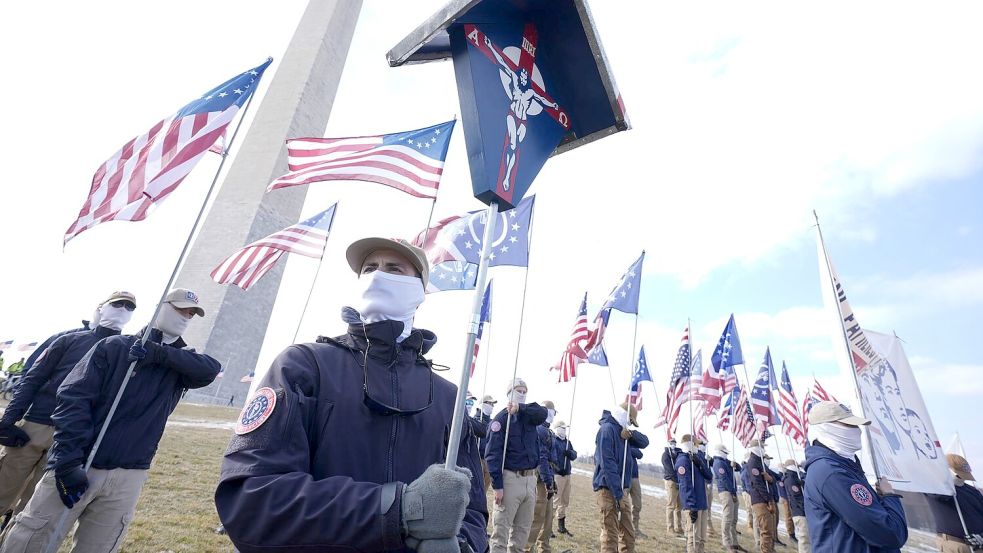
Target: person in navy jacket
952, 537
104, 498
483, 414
796, 504
843, 512
723, 474
776, 495
693, 473
341, 447
565, 454
674, 520
541, 530
611, 478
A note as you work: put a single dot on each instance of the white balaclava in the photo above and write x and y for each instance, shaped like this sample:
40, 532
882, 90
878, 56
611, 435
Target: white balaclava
562, 432
389, 297
702, 447
621, 416
758, 450
114, 318
171, 323
96, 315
844, 440
550, 413
687, 447
486, 408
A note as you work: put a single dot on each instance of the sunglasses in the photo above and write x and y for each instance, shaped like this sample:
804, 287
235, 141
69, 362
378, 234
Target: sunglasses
123, 303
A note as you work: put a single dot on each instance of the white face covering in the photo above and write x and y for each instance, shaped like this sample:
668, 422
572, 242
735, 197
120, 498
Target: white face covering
388, 297
759, 451
703, 448
486, 408
550, 413
171, 323
562, 432
687, 447
96, 315
844, 440
621, 416
114, 317
517, 397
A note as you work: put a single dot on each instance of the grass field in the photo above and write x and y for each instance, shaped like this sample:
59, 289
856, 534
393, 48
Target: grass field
176, 512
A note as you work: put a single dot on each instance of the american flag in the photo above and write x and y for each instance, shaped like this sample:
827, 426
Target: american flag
695, 376
151, 166
595, 342
5, 345
411, 161
817, 394
700, 424
244, 267
249, 377
25, 347
678, 385
726, 413
762, 399
820, 393
788, 407
574, 354
720, 378
640, 375
744, 424
485, 318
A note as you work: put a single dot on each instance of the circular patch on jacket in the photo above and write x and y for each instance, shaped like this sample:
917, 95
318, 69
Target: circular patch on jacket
795, 488
721, 470
861, 494
756, 472
496, 426
255, 413
681, 470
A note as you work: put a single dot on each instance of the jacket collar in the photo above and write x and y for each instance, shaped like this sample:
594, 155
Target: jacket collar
179, 343
101, 332
380, 338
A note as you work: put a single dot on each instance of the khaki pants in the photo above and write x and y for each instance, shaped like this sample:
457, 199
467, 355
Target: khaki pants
542, 521
802, 534
674, 519
617, 533
787, 515
21, 467
696, 532
710, 507
774, 520
562, 497
728, 527
763, 527
103, 514
949, 544
513, 517
750, 513
486, 474
636, 503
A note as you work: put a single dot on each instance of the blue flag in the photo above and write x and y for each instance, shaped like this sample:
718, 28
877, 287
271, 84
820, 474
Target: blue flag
728, 351
452, 275
641, 371
763, 401
624, 297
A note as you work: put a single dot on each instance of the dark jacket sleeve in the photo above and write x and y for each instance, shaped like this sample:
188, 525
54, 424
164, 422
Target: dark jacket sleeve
571, 453
32, 381
479, 428
77, 397
197, 370
610, 464
476, 516
545, 454
269, 501
668, 470
639, 440
704, 467
494, 451
881, 524
533, 413
35, 355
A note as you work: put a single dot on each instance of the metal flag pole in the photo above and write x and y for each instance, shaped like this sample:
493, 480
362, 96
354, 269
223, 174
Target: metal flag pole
487, 340
334, 213
219, 387
53, 541
747, 382
634, 340
457, 423
573, 398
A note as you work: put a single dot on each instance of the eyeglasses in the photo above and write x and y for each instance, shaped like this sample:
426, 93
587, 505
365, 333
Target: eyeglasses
123, 303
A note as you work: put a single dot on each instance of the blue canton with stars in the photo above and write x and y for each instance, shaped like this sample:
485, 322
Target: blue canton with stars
624, 297
511, 244
761, 392
453, 275
431, 141
233, 91
641, 371
728, 351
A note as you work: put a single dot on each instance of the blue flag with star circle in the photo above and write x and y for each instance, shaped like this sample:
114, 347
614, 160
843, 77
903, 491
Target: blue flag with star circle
624, 297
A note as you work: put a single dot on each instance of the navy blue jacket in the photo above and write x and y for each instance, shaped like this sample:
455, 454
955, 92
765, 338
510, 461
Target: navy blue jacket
609, 456
793, 487
946, 517
634, 454
33, 357
546, 459
843, 512
760, 489
669, 463
746, 479
723, 472
777, 492
482, 419
693, 474
523, 441
564, 454
85, 396
34, 397
324, 472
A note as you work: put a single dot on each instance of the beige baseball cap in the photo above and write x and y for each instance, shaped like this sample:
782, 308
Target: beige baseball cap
122, 295
359, 250
754, 443
488, 399
559, 424
960, 466
632, 412
183, 298
831, 411
549, 405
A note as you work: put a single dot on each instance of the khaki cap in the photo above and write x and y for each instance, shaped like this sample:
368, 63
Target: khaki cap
831, 411
488, 399
183, 298
754, 443
632, 412
549, 405
960, 466
122, 295
789, 463
721, 448
686, 438
516, 383
559, 424
359, 250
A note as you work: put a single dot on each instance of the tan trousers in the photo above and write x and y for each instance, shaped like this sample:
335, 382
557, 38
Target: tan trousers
513, 517
774, 520
763, 527
728, 526
636, 503
674, 519
21, 467
696, 532
802, 534
562, 497
542, 521
947, 544
710, 507
617, 533
787, 515
750, 513
486, 474
104, 513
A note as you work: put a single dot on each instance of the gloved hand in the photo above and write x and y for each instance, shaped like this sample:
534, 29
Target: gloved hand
550, 490
975, 540
693, 515
434, 504
71, 484
150, 352
13, 436
625, 434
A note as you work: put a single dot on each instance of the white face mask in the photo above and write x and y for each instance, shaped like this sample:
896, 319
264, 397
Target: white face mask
96, 315
388, 297
171, 323
687, 447
844, 440
114, 317
759, 451
562, 432
486, 408
703, 448
621, 416
517, 397
550, 413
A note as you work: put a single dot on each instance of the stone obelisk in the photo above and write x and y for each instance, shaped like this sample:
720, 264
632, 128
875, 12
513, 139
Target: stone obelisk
297, 103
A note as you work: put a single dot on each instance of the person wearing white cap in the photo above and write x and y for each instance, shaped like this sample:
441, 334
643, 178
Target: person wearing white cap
723, 474
952, 537
796, 504
483, 414
761, 486
842, 511
674, 518
565, 454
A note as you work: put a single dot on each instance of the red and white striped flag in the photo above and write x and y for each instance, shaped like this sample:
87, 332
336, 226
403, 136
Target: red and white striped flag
700, 424
788, 409
744, 423
574, 354
679, 385
151, 166
819, 393
485, 318
246, 266
411, 161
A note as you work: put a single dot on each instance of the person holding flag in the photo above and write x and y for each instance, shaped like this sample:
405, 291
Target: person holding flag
953, 537
636, 444
565, 454
640, 375
674, 521
542, 520
723, 474
483, 414
611, 479
760, 483
793, 487
693, 475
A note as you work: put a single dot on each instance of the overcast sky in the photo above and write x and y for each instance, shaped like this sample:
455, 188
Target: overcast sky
745, 120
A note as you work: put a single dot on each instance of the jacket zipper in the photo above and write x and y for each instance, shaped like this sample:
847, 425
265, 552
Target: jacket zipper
394, 380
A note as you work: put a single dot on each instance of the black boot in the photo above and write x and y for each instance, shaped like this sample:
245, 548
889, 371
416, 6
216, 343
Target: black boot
563, 527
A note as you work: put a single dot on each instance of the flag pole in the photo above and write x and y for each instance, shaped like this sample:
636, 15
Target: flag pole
631, 371
53, 542
488, 330
573, 398
460, 411
334, 213
219, 387
749, 389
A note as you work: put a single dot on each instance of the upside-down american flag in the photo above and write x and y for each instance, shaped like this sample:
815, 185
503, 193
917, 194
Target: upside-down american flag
485, 318
151, 166
244, 267
574, 354
411, 161
788, 407
678, 385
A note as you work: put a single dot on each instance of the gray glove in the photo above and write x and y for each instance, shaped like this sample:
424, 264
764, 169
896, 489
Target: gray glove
434, 505
975, 540
443, 545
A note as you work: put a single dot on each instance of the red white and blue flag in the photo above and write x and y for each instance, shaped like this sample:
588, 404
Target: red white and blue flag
595, 343
641, 374
485, 318
762, 399
151, 166
411, 161
678, 385
720, 378
726, 413
246, 266
788, 408
814, 396
574, 354
820, 393
695, 377
744, 423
